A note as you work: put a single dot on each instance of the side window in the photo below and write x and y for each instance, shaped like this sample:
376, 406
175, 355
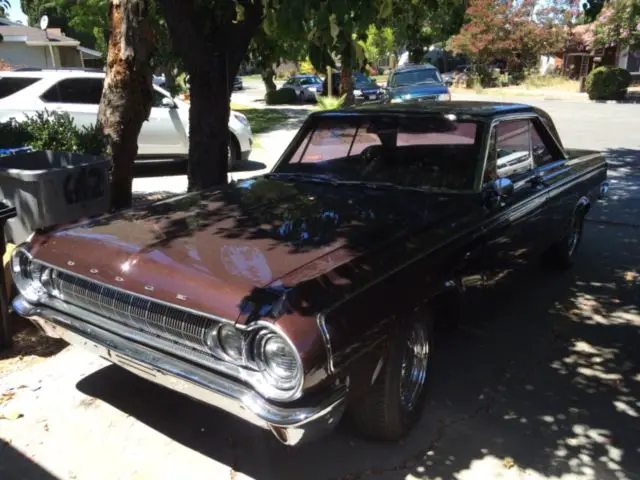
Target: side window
86, 91
509, 150
541, 153
11, 85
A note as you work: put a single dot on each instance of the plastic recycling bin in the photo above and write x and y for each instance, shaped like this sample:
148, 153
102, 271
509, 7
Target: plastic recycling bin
6, 213
50, 188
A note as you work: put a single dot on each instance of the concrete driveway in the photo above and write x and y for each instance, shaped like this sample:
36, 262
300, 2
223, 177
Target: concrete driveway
545, 383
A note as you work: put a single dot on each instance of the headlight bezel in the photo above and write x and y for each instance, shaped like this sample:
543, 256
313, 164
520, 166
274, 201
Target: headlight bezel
282, 384
27, 275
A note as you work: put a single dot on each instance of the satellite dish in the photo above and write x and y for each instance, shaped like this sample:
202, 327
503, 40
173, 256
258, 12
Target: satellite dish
44, 22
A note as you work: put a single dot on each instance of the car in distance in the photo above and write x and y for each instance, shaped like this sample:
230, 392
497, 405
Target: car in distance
365, 88
237, 83
165, 135
416, 83
311, 292
305, 86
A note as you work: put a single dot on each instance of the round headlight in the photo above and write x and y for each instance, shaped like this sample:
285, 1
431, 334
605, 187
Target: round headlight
231, 342
27, 275
278, 361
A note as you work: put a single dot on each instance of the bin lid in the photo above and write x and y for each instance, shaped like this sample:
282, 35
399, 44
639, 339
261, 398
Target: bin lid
7, 212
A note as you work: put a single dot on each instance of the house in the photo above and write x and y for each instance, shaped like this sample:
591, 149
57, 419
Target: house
580, 55
23, 46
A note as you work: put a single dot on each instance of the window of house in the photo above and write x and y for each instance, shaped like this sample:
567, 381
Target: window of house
75, 90
11, 85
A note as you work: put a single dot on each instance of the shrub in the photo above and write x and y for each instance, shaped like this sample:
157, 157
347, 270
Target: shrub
283, 96
306, 67
53, 131
330, 103
607, 83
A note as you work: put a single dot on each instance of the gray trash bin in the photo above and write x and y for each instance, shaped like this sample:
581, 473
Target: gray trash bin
49, 188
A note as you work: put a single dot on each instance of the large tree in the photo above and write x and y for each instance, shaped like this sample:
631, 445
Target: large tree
211, 37
269, 48
60, 13
127, 95
618, 24
516, 31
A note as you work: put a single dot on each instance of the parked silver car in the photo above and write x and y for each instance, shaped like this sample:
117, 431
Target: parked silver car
305, 86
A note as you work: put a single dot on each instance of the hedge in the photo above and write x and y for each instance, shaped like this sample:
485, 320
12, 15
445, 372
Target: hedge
608, 83
284, 96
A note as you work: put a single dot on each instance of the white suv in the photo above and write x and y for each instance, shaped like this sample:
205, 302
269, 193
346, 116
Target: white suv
77, 91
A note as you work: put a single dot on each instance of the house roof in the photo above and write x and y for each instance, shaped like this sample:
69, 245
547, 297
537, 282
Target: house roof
15, 32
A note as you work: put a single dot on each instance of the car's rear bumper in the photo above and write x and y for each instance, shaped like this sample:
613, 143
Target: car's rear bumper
299, 422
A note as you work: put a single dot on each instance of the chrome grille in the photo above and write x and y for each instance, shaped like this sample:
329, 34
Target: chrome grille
171, 323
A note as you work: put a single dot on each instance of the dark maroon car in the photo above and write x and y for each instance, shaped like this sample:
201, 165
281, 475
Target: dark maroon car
296, 297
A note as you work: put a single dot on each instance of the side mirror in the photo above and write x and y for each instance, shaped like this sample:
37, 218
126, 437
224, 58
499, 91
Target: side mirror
501, 187
167, 102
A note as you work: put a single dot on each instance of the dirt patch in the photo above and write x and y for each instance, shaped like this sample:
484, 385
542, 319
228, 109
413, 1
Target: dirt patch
30, 346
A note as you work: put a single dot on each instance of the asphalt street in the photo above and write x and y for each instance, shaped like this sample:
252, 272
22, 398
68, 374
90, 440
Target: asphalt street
545, 385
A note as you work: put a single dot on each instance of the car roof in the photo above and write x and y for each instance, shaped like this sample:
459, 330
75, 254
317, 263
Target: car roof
455, 107
414, 66
50, 73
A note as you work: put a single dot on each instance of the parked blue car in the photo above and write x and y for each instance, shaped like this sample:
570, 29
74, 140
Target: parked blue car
416, 83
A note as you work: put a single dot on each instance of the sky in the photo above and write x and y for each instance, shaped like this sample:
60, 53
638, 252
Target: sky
15, 14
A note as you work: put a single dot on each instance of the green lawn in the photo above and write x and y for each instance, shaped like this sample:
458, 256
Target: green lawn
261, 119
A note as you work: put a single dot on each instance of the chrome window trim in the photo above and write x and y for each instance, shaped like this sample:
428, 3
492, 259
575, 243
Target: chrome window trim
510, 117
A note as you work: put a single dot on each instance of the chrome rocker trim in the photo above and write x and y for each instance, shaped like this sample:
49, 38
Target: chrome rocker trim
292, 425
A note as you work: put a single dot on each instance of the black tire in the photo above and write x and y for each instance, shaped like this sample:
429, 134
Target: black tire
234, 155
382, 413
560, 255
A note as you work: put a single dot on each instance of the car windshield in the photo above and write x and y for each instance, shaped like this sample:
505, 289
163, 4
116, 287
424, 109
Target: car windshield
362, 79
308, 80
426, 151
413, 77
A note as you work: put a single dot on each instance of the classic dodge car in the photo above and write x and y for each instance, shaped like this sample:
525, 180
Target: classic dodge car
309, 293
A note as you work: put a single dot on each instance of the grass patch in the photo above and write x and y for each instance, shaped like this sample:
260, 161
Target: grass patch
551, 82
255, 76
261, 119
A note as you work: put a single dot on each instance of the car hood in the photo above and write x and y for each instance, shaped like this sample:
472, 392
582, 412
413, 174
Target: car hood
419, 90
210, 250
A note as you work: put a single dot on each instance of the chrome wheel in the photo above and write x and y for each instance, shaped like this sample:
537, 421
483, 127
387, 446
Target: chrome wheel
414, 366
574, 236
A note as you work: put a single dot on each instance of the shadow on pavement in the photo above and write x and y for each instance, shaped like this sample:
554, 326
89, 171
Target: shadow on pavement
15, 466
248, 166
545, 381
623, 204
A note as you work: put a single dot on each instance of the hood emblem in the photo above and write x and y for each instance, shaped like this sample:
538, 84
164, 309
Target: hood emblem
94, 270
181, 297
71, 263
119, 279
149, 288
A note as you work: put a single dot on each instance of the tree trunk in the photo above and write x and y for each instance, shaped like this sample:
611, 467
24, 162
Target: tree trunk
209, 128
128, 92
267, 77
346, 76
212, 49
416, 54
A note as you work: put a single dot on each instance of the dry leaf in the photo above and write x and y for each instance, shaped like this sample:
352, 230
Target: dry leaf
630, 276
5, 397
10, 415
508, 463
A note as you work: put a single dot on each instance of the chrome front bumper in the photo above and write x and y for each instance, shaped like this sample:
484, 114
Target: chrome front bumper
300, 422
